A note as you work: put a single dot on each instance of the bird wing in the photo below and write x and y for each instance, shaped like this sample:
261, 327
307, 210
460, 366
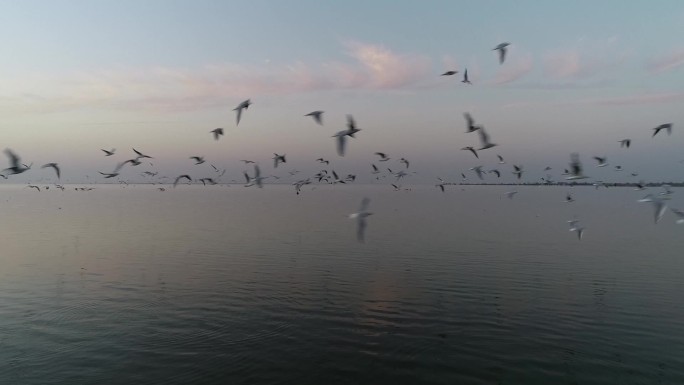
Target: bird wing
364, 205
239, 114
502, 54
360, 228
257, 172
340, 145
474, 152
14, 159
350, 122
484, 138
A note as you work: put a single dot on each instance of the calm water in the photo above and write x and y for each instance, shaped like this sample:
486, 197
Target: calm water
233, 285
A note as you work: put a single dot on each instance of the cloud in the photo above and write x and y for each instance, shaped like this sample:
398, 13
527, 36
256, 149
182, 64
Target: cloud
631, 100
587, 58
371, 67
667, 62
514, 71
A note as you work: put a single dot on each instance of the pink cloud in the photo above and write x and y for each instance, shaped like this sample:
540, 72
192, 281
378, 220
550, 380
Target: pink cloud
162, 88
667, 62
585, 59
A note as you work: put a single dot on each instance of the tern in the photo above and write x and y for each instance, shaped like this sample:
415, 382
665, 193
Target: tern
217, 133
471, 149
317, 116
449, 73
350, 131
245, 161
502, 51
35, 187
257, 179
601, 161
658, 205
575, 167
484, 140
375, 169
54, 166
15, 166
141, 155
470, 122
244, 105
110, 152
680, 215
518, 171
336, 179
501, 159
277, 159
321, 160
478, 171
495, 171
625, 143
666, 126
360, 217
568, 198
576, 228
184, 176
465, 77
404, 161
207, 180
109, 175
383, 156
198, 159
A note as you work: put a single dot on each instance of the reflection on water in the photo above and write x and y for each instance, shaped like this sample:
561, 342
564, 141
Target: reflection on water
233, 285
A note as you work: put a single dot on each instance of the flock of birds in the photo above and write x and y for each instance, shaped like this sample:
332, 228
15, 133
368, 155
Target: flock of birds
574, 172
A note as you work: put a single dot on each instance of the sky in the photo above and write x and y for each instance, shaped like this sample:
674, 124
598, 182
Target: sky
80, 76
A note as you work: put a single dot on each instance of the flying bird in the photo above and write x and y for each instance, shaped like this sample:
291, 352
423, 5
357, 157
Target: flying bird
257, 179
277, 159
518, 171
680, 215
217, 133
383, 156
502, 51
317, 116
471, 149
404, 161
141, 155
449, 73
198, 159
465, 77
484, 140
15, 166
35, 187
576, 228
360, 217
510, 194
184, 176
470, 122
110, 152
501, 160
375, 169
568, 198
575, 168
54, 166
350, 131
658, 205
498, 174
666, 126
244, 105
625, 143
601, 161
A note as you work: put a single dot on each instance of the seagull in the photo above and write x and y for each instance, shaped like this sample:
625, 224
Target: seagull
217, 132
396, 188
518, 171
16, 167
658, 205
184, 176
618, 168
240, 107
53, 165
245, 161
317, 116
278, 159
478, 171
449, 73
510, 194
404, 161
110, 152
484, 140
375, 169
350, 131
465, 77
471, 150
257, 180
35, 187
141, 155
495, 171
383, 156
575, 227
470, 122
109, 175
198, 159
625, 142
576, 168
666, 126
133, 162
679, 214
336, 178
360, 217
502, 51
568, 198
321, 160
207, 180
640, 186
601, 161
441, 186
501, 160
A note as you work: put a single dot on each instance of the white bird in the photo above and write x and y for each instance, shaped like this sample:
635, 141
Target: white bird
244, 105
679, 214
360, 217
277, 159
501, 159
257, 179
465, 78
478, 171
518, 171
601, 161
510, 194
198, 159
317, 116
383, 156
575, 227
502, 51
484, 140
404, 161
15, 166
658, 205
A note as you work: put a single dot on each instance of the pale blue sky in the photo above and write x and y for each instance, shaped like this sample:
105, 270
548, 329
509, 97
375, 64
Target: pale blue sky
78, 76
